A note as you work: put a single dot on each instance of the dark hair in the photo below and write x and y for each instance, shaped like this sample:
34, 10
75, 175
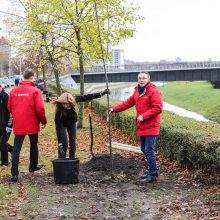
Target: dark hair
145, 73
28, 74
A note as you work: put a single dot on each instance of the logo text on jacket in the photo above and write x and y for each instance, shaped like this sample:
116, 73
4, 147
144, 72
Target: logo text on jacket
23, 94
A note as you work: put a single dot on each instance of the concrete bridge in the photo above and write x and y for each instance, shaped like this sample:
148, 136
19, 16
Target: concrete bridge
188, 74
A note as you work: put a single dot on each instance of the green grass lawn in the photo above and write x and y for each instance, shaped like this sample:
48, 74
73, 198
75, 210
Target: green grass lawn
198, 96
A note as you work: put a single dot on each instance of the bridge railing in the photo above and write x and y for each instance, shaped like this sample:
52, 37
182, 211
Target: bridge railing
155, 66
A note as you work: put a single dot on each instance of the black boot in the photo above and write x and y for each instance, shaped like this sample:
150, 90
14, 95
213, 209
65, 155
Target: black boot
38, 167
72, 153
4, 164
4, 157
144, 176
14, 178
148, 180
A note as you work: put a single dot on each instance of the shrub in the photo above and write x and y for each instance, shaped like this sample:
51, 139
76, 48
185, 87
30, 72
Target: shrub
215, 84
195, 144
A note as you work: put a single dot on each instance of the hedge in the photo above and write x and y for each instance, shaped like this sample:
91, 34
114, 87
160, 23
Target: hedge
195, 144
215, 84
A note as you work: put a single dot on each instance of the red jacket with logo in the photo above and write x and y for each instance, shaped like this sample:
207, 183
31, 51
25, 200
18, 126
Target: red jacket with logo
149, 105
27, 108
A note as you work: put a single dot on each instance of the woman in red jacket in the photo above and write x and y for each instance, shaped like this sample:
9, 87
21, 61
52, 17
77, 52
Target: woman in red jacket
148, 102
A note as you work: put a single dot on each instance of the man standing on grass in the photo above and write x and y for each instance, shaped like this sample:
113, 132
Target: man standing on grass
27, 108
148, 102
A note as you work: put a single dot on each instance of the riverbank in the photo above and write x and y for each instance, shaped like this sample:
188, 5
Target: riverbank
198, 96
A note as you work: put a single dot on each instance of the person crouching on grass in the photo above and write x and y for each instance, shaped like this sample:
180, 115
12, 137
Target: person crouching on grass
66, 118
148, 102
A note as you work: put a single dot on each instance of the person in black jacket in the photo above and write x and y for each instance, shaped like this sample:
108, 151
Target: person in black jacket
17, 81
5, 127
66, 118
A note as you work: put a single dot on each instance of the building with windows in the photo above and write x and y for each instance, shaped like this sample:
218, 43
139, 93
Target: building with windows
117, 59
116, 62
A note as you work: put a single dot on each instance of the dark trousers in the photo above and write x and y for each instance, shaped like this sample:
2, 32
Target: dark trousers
71, 130
148, 148
18, 141
4, 136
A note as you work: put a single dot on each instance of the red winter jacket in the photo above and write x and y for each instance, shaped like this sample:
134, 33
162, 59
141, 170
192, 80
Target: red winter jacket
27, 108
149, 105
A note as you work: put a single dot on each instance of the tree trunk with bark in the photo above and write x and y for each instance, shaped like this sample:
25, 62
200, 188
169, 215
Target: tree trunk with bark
44, 76
81, 69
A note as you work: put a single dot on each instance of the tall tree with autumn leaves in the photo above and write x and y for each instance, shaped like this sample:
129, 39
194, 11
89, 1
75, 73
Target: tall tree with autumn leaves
68, 28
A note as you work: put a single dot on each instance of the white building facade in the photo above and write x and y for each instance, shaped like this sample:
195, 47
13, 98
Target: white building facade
117, 59
115, 63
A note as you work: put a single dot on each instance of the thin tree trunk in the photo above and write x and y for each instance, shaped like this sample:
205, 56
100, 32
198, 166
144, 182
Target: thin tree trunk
44, 76
81, 69
56, 73
37, 75
54, 66
43, 68
81, 110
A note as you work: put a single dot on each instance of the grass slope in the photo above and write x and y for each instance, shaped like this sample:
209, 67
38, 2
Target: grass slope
196, 96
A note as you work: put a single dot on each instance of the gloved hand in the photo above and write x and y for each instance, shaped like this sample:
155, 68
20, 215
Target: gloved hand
8, 129
106, 91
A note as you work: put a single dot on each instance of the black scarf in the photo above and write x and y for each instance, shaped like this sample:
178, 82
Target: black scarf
141, 89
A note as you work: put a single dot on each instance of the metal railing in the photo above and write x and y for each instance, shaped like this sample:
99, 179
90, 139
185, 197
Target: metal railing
155, 66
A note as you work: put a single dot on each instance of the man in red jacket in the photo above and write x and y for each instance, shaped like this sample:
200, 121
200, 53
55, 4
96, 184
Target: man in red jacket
148, 102
27, 108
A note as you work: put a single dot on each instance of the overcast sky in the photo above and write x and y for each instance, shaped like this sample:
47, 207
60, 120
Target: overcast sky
174, 28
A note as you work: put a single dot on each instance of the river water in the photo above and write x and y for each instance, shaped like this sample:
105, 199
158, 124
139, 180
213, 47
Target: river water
124, 93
